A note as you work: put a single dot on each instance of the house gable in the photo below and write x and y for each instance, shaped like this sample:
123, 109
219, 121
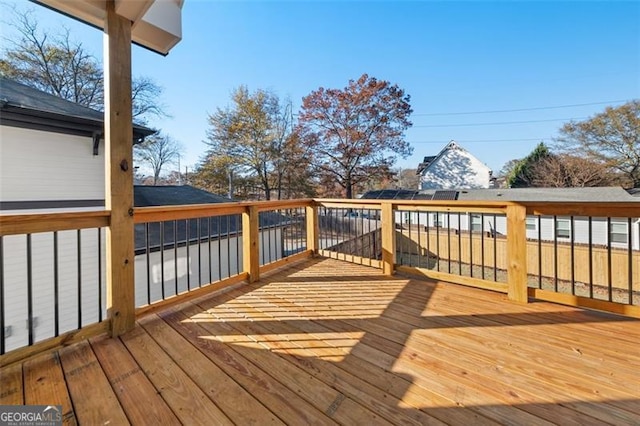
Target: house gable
454, 168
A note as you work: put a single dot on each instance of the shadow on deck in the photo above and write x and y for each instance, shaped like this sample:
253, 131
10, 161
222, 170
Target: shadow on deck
327, 342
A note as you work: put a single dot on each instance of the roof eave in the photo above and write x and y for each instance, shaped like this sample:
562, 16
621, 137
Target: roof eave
155, 24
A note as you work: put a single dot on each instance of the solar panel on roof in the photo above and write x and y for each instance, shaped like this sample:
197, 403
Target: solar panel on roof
445, 195
421, 196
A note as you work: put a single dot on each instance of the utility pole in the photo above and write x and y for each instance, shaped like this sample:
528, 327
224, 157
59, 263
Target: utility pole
230, 182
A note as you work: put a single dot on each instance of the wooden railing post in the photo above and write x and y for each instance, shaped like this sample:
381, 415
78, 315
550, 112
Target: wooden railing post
250, 238
517, 253
388, 238
313, 229
119, 172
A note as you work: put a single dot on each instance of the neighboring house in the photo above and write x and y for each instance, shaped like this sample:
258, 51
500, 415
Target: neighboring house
453, 168
214, 249
614, 231
51, 159
52, 151
194, 252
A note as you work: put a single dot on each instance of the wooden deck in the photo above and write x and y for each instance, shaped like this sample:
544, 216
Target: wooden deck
327, 342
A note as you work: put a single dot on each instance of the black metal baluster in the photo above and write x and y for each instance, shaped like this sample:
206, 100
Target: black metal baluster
148, 255
470, 246
162, 258
187, 245
609, 262
56, 286
482, 245
572, 254
448, 242
209, 244
495, 248
175, 256
630, 262
99, 275
30, 290
555, 254
2, 311
590, 257
539, 252
79, 279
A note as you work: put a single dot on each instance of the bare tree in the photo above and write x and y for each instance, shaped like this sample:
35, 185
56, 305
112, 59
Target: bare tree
407, 179
566, 170
156, 152
611, 138
53, 62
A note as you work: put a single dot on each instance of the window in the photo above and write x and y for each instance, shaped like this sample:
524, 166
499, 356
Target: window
563, 228
619, 233
532, 223
476, 223
437, 220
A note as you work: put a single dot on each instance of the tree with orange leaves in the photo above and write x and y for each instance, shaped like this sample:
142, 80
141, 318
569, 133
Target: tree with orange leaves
355, 134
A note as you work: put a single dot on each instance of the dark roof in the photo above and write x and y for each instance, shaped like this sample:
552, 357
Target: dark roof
598, 194
228, 226
147, 196
635, 192
395, 194
425, 163
595, 194
25, 106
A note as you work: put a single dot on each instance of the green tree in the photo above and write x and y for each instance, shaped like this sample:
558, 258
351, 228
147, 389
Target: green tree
256, 132
52, 62
355, 134
523, 172
611, 138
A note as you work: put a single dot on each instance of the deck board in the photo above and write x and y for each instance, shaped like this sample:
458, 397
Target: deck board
94, 401
44, 384
130, 384
11, 392
327, 342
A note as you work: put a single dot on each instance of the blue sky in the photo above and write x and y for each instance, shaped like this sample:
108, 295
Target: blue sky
451, 57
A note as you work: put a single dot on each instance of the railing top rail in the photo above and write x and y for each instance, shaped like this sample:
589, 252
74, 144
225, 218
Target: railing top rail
25, 223
193, 211
610, 209
438, 203
31, 223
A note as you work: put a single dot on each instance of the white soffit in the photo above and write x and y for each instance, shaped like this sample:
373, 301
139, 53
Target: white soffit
156, 24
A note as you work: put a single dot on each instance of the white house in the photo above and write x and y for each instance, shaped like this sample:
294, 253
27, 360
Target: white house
175, 256
52, 151
453, 168
602, 231
51, 159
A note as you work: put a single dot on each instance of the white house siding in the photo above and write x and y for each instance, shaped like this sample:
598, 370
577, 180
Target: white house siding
224, 263
37, 165
15, 275
225, 260
599, 226
456, 168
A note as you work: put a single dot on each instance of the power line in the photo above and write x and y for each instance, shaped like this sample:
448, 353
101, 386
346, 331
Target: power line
499, 123
481, 140
516, 110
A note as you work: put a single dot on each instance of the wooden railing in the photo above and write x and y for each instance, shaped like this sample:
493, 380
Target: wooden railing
186, 251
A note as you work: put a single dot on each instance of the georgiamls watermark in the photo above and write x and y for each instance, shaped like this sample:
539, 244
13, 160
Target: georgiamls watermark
30, 415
